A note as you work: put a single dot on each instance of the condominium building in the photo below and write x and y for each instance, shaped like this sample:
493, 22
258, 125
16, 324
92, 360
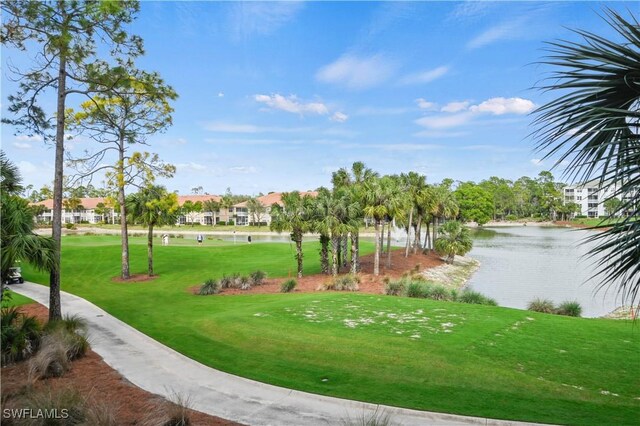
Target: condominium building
590, 196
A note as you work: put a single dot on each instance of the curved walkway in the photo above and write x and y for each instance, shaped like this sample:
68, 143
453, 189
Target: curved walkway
163, 371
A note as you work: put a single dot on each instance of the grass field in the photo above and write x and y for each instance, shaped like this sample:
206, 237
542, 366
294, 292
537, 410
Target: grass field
448, 357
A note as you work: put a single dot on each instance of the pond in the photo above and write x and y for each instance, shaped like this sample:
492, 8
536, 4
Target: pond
521, 263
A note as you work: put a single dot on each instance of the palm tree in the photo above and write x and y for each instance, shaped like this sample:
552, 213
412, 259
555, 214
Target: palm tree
153, 206
376, 196
212, 206
454, 239
256, 209
18, 242
294, 215
594, 125
413, 184
333, 211
444, 206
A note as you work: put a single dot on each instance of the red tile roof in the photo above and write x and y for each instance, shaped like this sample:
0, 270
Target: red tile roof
275, 198
91, 203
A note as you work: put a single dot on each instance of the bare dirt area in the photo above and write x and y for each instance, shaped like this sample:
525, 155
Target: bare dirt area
369, 283
96, 382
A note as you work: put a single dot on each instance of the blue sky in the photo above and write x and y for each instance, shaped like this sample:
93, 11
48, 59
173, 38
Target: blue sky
276, 96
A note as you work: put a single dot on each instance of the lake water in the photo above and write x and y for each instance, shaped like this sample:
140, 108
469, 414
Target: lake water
521, 263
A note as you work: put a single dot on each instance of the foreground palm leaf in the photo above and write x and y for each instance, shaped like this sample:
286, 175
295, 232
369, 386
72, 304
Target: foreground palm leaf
594, 126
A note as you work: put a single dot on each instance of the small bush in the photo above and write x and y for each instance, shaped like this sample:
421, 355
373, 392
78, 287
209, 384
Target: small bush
474, 297
72, 331
415, 289
569, 308
48, 400
210, 286
172, 412
511, 217
288, 286
439, 292
226, 282
244, 283
541, 305
20, 335
69, 226
342, 283
394, 288
372, 418
257, 277
51, 360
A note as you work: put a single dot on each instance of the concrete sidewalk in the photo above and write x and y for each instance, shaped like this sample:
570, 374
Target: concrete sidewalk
163, 371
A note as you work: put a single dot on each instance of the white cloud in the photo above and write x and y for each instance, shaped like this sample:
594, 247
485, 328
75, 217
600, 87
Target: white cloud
537, 162
27, 168
357, 73
455, 106
381, 111
243, 169
444, 122
191, 166
181, 141
220, 95
424, 104
219, 126
505, 30
22, 145
261, 18
425, 76
339, 117
292, 104
500, 106
25, 138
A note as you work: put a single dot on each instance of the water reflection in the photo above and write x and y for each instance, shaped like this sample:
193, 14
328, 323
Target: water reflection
519, 264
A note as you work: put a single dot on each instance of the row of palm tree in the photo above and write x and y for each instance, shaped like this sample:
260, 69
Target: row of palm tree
359, 196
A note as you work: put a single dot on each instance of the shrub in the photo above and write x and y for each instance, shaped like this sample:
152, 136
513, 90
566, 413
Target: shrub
257, 277
415, 289
474, 297
221, 223
371, 418
511, 217
244, 283
69, 226
71, 330
210, 286
20, 335
541, 305
226, 281
51, 360
394, 288
569, 308
48, 400
288, 286
342, 283
439, 292
172, 412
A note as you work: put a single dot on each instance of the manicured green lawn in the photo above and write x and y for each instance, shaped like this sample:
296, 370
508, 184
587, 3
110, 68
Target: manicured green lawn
422, 354
15, 299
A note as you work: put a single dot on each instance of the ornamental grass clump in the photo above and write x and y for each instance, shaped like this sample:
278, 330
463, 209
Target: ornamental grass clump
569, 308
343, 283
416, 289
542, 305
257, 277
474, 297
209, 287
288, 286
394, 288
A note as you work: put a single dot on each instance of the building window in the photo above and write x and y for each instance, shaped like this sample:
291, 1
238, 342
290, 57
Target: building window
593, 205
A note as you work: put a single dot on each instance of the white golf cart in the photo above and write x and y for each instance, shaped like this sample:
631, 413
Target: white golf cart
14, 276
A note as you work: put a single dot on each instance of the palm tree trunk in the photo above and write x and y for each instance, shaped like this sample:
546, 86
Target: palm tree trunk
355, 266
435, 230
55, 310
123, 214
344, 240
335, 247
416, 241
376, 257
299, 256
389, 245
324, 254
150, 251
406, 249
381, 238
428, 244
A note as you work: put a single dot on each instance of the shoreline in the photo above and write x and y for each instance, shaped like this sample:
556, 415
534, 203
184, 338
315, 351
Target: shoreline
455, 275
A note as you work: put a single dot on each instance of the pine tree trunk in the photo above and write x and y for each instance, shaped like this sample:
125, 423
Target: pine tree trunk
55, 309
123, 215
324, 254
406, 249
335, 247
355, 266
150, 251
376, 257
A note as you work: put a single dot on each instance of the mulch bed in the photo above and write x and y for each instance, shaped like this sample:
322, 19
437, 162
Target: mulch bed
93, 378
369, 283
